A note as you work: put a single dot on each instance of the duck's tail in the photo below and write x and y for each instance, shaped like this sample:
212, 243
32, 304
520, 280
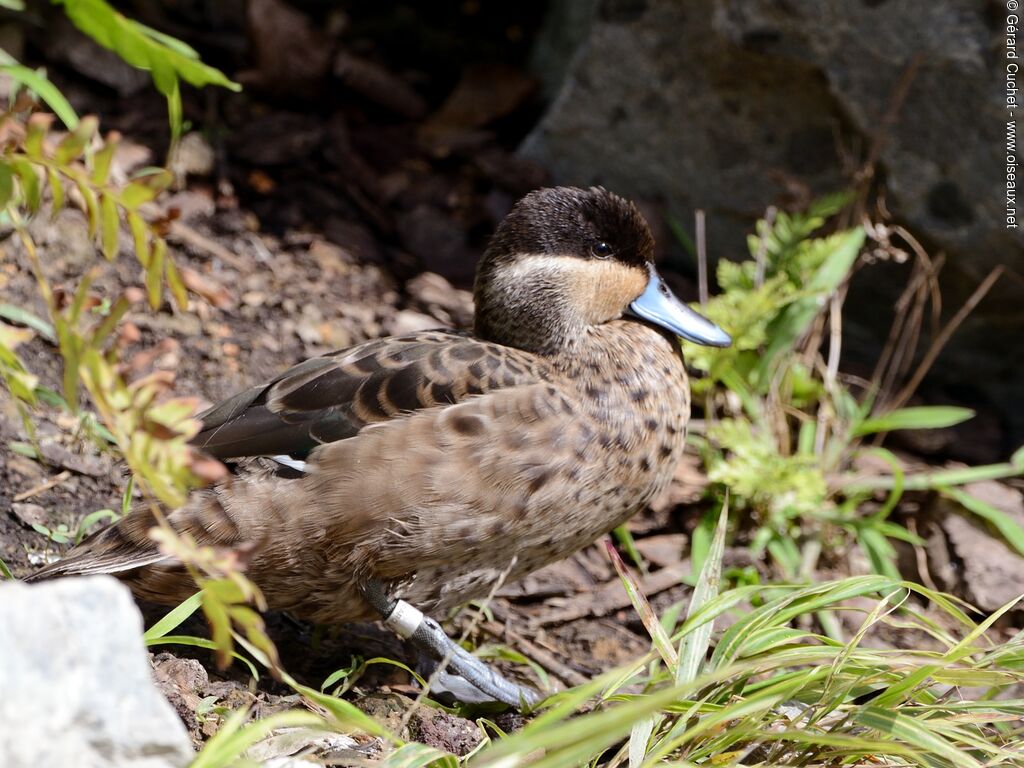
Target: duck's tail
116, 550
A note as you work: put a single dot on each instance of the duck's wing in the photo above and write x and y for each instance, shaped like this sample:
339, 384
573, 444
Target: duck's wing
320, 401
333, 397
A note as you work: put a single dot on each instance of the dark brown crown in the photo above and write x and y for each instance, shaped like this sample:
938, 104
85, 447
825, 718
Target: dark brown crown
570, 221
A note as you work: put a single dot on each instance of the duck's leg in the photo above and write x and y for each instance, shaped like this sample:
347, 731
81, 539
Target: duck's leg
426, 634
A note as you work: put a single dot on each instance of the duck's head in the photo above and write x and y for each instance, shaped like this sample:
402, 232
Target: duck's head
567, 259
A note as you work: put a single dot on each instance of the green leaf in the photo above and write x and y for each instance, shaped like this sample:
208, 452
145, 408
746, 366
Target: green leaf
22, 316
925, 481
897, 490
795, 319
91, 519
109, 323
171, 42
38, 83
879, 551
56, 536
639, 738
659, 637
101, 162
136, 193
415, 755
921, 417
56, 192
177, 285
343, 711
900, 727
72, 146
700, 540
6, 184
229, 744
38, 124
201, 642
74, 312
155, 272
92, 207
145, 49
31, 190
1008, 528
110, 226
23, 449
140, 237
694, 647
625, 540
1017, 458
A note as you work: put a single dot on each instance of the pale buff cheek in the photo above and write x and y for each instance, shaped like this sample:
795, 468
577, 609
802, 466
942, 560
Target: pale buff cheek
604, 289
598, 291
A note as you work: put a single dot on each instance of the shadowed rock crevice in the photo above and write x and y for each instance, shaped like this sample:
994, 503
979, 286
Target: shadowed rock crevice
733, 106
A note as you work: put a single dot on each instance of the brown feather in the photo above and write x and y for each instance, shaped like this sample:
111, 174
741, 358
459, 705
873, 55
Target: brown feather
438, 460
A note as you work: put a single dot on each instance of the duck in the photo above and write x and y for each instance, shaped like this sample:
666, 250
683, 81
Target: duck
402, 477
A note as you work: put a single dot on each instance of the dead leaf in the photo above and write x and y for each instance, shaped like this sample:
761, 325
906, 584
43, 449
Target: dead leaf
485, 93
207, 287
206, 468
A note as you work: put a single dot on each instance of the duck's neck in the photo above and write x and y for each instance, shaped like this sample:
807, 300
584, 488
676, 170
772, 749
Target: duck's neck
629, 347
529, 309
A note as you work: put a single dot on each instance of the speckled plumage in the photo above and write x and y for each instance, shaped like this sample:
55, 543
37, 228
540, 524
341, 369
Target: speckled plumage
438, 459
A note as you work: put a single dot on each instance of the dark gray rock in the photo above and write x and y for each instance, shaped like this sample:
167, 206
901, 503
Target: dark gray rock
733, 105
76, 681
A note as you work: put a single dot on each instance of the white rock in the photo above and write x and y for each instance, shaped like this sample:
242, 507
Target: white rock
75, 681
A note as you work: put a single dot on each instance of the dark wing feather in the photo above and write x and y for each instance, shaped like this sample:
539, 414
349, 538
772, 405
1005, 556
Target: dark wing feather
333, 397
117, 548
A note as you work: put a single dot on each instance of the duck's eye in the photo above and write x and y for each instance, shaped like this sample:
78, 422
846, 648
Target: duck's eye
601, 250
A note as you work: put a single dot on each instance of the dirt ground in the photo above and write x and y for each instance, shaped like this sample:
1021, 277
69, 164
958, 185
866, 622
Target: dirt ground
309, 220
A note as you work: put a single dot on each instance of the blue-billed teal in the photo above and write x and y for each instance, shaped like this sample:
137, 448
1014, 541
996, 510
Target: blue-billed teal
417, 470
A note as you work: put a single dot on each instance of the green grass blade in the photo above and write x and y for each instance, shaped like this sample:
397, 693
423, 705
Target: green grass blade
22, 316
921, 417
694, 647
940, 478
659, 637
935, 751
639, 737
229, 744
39, 84
1008, 528
174, 618
418, 756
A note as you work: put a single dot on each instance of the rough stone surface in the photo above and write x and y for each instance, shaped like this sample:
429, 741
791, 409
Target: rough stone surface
76, 681
733, 105
991, 572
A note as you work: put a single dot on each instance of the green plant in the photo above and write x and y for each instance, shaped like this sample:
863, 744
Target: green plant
62, 534
771, 692
31, 165
42, 169
774, 694
167, 59
782, 426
